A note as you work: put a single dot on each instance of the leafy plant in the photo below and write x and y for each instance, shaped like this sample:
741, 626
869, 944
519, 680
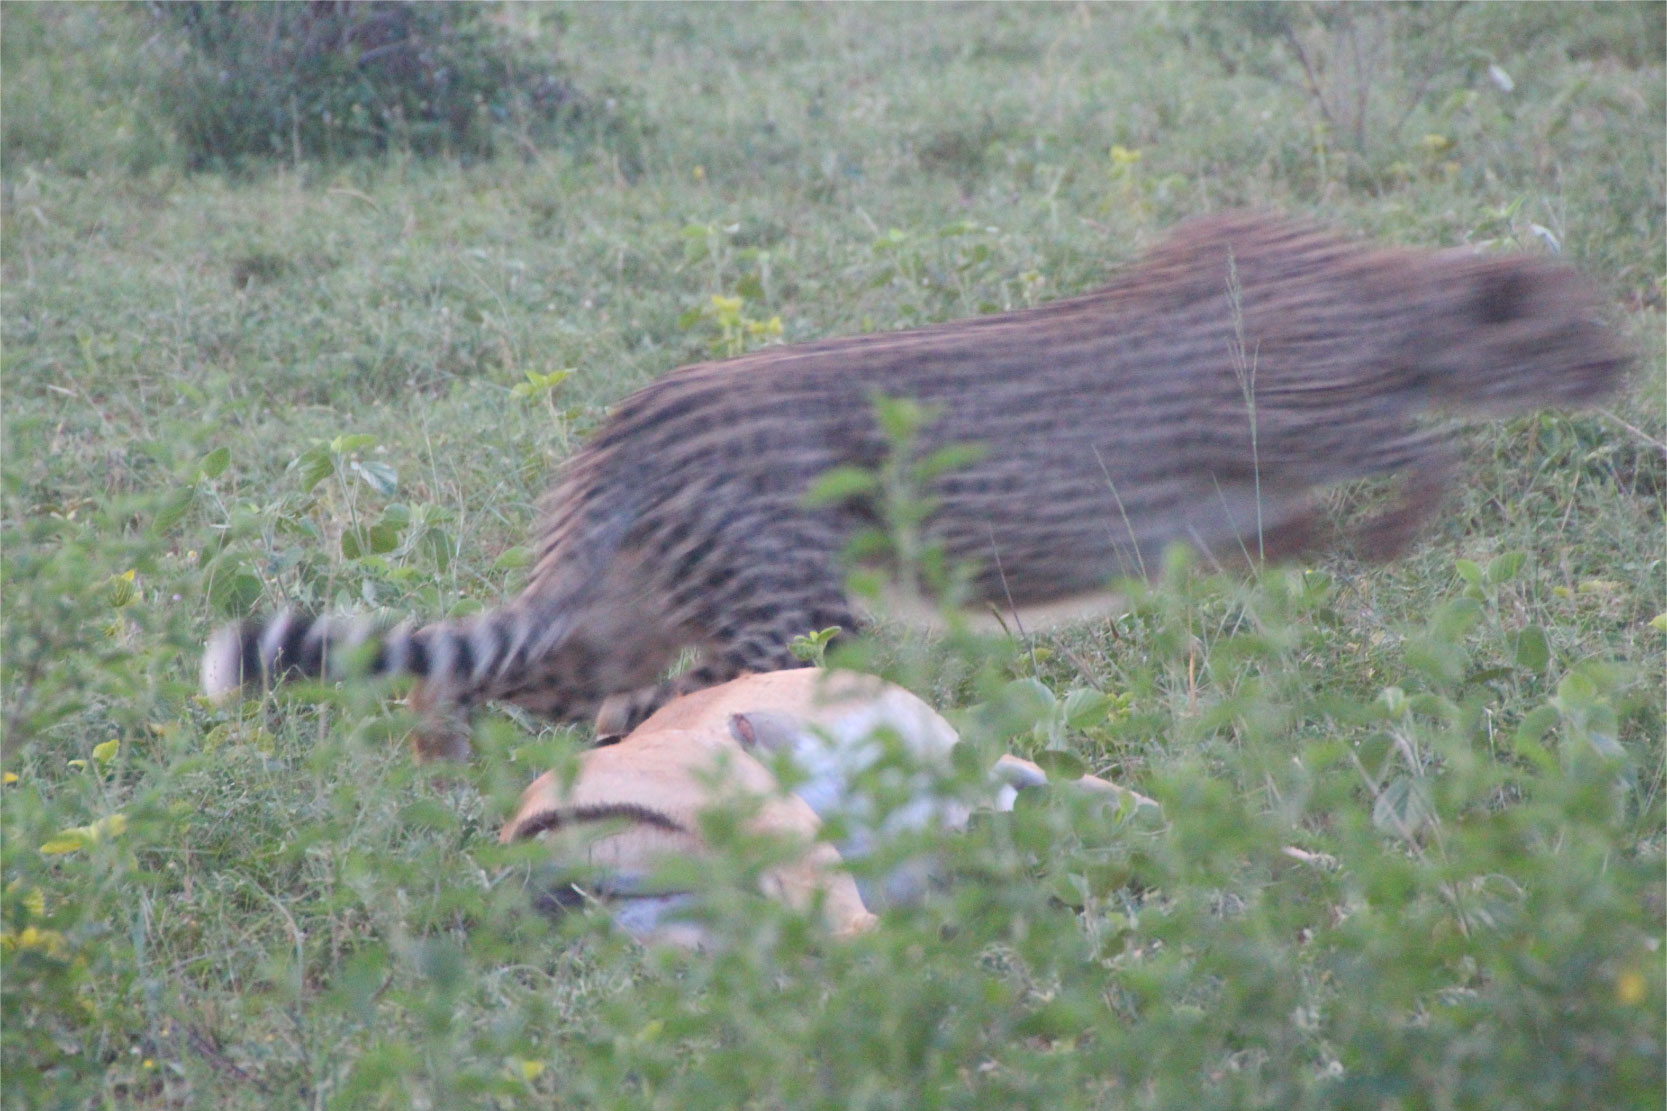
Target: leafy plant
733, 331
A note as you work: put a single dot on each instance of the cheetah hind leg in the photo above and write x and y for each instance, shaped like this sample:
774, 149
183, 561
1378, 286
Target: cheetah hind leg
442, 729
1295, 533
1422, 491
752, 648
623, 712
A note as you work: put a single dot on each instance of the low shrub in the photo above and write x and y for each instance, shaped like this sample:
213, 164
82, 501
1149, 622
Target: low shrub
330, 80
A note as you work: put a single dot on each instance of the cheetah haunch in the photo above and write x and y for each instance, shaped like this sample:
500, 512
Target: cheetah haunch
1113, 424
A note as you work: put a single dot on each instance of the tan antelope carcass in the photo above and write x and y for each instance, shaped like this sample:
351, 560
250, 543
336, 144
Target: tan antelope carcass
636, 802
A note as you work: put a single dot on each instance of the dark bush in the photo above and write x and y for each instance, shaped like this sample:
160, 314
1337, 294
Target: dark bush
332, 79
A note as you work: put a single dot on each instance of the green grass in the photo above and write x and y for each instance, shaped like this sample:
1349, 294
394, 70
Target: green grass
294, 916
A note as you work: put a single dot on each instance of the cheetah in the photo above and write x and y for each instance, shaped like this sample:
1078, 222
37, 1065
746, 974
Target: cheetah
1203, 397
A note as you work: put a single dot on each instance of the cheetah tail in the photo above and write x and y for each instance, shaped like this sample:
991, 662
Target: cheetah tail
461, 660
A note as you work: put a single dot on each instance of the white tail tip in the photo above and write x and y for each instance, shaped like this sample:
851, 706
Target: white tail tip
223, 663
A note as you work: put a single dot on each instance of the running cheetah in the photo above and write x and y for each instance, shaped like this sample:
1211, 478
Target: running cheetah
1202, 397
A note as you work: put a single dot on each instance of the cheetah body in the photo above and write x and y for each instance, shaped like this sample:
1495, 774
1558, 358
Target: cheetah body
1202, 397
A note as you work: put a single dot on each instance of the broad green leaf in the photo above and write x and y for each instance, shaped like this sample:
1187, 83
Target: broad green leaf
952, 457
1504, 568
868, 544
539, 385
214, 463
1455, 618
67, 841
343, 445
866, 583
315, 466
1488, 675
122, 590
1605, 745
1404, 807
812, 647
1086, 708
1061, 764
1031, 696
1576, 689
1376, 753
902, 417
1439, 661
383, 538
234, 593
1105, 876
513, 558
438, 543
1434, 706
173, 510
1531, 650
840, 484
890, 241
1058, 1018
378, 476
81, 837
1537, 723
1068, 888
